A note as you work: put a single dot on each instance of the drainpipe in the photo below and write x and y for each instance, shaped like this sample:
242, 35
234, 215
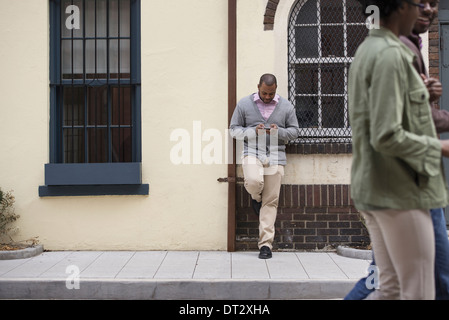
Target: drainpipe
232, 101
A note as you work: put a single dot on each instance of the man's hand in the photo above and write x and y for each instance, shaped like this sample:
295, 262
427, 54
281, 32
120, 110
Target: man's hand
445, 148
434, 87
273, 129
260, 129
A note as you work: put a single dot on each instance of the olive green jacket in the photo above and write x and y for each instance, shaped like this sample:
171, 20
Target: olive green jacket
397, 160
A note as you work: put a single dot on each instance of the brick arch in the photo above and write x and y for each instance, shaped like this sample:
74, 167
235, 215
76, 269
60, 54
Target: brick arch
270, 13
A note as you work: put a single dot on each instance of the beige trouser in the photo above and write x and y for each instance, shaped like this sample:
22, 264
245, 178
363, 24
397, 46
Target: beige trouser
404, 251
264, 184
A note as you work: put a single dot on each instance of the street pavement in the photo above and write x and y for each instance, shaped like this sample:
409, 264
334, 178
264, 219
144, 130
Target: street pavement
180, 275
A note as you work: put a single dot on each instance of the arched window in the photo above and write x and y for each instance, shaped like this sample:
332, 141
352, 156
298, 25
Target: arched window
323, 36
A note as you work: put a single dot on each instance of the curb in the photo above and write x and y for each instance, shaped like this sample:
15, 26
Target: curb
144, 289
355, 253
22, 253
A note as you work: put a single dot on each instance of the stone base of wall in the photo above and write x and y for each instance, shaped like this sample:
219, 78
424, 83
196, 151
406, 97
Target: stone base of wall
310, 217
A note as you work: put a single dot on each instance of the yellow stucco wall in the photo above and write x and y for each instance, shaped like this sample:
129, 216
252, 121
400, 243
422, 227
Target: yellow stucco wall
184, 77
184, 87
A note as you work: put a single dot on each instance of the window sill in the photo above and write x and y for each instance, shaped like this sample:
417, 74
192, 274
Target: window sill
93, 179
94, 190
62, 174
319, 148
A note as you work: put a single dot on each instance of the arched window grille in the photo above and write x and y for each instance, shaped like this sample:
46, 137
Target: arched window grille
323, 36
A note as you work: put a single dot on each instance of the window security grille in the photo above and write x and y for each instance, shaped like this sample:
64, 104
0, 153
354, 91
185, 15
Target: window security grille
323, 36
95, 105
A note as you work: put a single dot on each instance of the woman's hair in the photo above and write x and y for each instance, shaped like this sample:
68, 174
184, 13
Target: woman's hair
386, 7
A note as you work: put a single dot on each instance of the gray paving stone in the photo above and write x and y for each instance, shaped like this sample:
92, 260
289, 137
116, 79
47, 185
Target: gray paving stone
142, 265
247, 265
213, 265
178, 265
8, 265
320, 266
107, 265
73, 262
352, 268
286, 266
36, 266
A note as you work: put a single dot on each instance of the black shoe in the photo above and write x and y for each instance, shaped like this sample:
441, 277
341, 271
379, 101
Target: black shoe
265, 253
256, 206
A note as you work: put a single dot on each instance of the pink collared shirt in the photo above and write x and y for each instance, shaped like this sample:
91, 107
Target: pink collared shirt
266, 109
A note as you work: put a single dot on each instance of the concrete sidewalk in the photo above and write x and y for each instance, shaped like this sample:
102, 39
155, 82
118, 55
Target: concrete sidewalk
179, 275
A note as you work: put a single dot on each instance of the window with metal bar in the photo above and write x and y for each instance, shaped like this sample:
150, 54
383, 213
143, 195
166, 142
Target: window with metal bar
323, 36
96, 105
95, 121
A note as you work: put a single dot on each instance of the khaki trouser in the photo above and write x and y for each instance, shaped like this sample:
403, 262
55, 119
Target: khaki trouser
264, 184
404, 250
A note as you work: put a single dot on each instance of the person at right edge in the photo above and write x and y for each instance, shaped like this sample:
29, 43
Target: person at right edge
441, 120
397, 171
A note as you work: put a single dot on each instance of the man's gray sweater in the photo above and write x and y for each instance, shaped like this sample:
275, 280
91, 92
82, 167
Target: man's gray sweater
271, 147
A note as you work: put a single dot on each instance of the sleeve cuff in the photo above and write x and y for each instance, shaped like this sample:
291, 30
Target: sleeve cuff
432, 161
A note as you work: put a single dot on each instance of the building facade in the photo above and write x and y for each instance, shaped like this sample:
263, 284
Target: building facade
115, 115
